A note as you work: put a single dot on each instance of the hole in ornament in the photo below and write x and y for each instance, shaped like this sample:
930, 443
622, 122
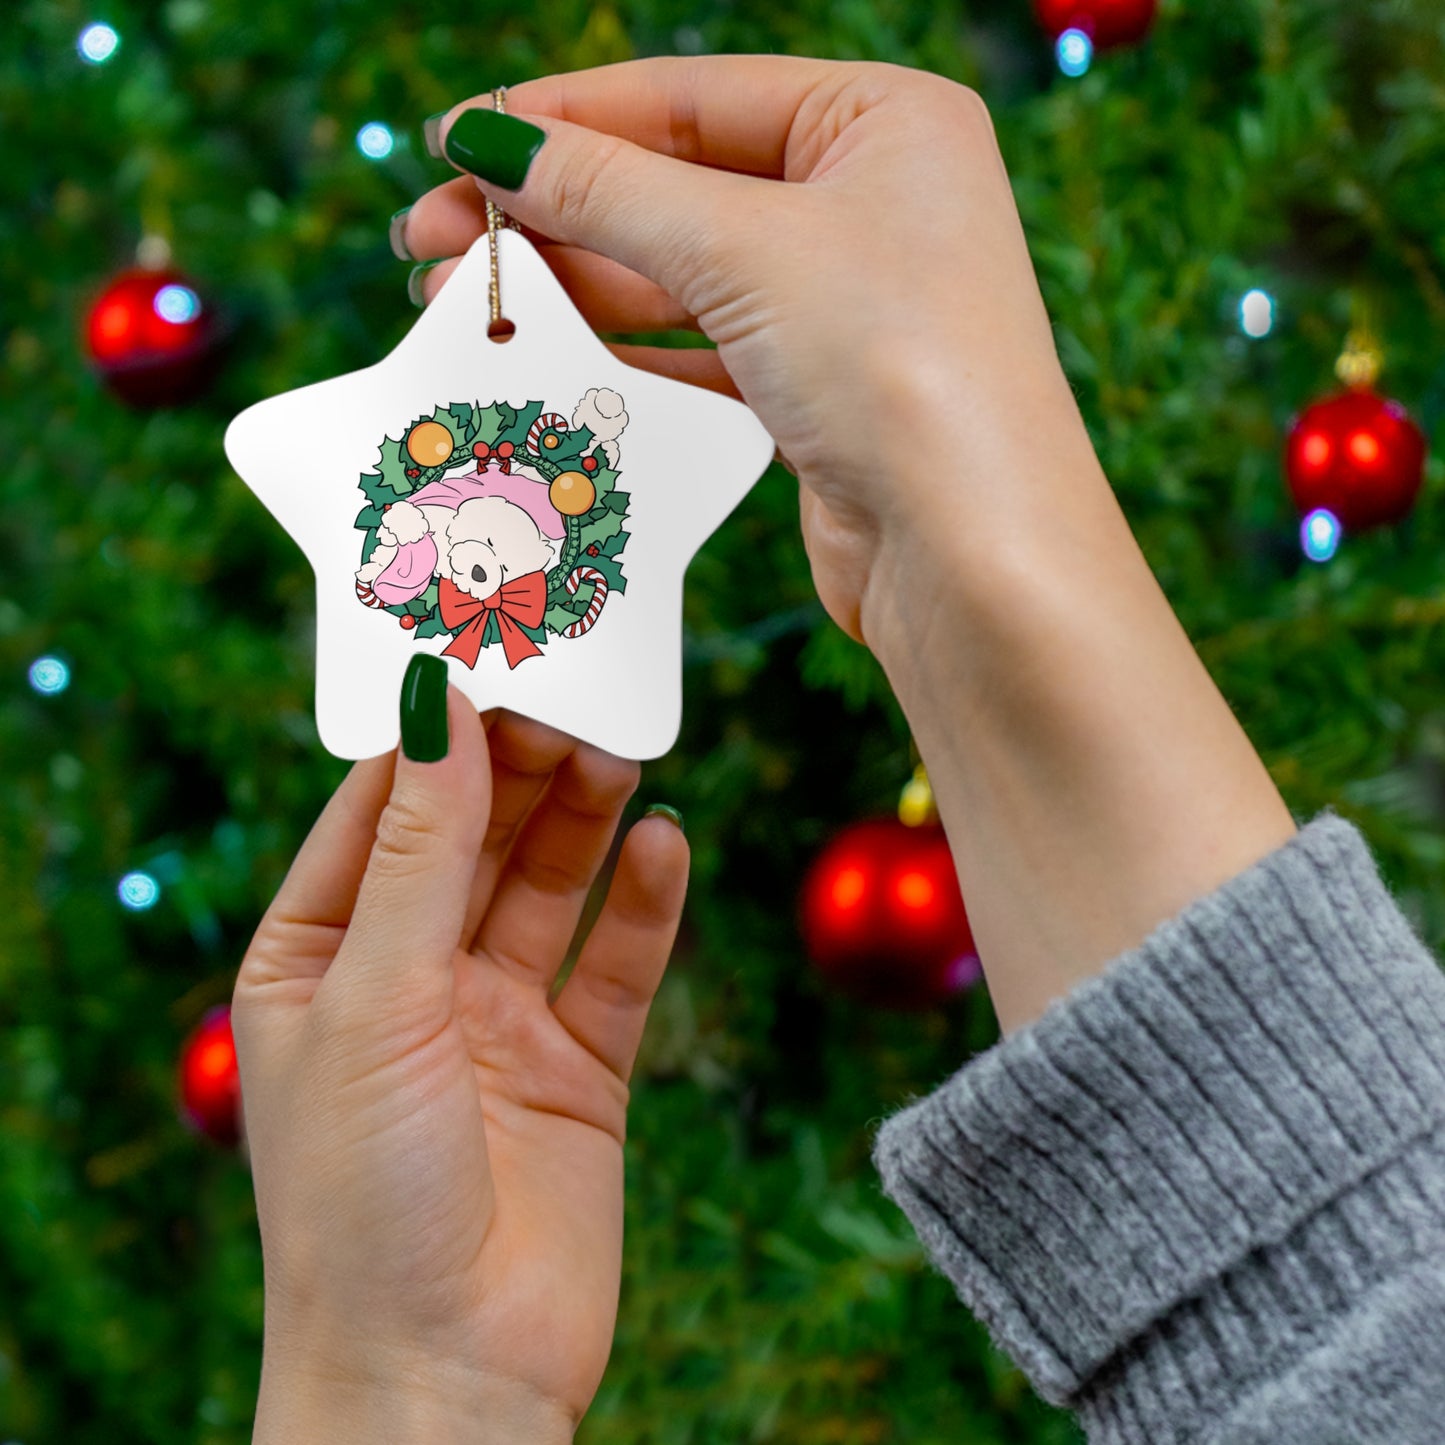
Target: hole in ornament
501, 329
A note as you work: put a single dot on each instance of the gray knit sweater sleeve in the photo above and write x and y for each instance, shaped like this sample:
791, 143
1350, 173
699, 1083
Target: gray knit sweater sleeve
1201, 1200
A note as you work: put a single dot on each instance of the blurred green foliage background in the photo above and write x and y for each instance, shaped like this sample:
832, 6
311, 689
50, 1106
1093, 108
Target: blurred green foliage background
771, 1292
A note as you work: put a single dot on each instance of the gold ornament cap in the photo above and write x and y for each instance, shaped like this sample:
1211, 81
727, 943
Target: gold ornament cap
1360, 362
915, 803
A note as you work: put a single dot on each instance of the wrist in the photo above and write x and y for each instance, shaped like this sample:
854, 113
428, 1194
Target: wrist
320, 1404
1092, 780
1003, 493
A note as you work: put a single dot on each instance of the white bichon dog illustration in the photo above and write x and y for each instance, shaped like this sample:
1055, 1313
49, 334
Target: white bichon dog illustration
490, 542
494, 567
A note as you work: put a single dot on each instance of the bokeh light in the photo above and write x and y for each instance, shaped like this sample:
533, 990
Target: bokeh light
138, 891
1256, 313
49, 675
97, 43
1075, 52
177, 304
1320, 535
375, 140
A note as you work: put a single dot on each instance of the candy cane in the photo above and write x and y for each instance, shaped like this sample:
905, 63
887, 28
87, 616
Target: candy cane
548, 421
575, 578
368, 597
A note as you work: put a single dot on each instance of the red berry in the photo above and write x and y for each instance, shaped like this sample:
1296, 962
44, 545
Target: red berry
408, 621
413, 472
505, 449
594, 550
589, 464
386, 506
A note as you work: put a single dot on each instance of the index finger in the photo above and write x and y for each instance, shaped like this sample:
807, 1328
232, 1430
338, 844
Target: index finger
733, 112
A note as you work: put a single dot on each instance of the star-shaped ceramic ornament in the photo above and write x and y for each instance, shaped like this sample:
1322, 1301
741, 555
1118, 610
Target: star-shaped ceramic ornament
523, 509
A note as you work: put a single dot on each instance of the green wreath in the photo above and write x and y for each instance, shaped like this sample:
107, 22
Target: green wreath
460, 433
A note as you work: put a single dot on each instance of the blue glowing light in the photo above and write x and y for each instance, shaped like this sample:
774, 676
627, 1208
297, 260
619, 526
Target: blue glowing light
138, 891
1319, 535
97, 44
49, 675
1075, 52
375, 140
177, 304
1256, 313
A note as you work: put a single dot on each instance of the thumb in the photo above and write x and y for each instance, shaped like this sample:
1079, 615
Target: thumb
666, 219
412, 902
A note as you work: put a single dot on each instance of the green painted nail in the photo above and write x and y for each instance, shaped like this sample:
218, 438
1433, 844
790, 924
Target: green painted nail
669, 813
413, 282
424, 709
431, 133
498, 148
396, 234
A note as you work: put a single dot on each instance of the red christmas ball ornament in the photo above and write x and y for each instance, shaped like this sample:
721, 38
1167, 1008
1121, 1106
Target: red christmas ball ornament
408, 621
1359, 456
209, 1080
883, 918
1107, 23
152, 338
589, 464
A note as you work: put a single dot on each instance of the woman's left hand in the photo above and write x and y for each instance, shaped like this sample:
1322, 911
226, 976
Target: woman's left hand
437, 1147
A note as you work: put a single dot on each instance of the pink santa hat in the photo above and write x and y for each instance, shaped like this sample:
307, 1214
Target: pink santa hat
410, 572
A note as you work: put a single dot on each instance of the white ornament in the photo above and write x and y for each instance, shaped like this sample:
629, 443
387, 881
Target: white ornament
683, 459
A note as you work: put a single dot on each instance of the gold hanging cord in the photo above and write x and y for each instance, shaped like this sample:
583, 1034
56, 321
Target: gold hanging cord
497, 218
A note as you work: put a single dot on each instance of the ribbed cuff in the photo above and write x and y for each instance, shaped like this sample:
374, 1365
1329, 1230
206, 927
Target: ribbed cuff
1185, 1170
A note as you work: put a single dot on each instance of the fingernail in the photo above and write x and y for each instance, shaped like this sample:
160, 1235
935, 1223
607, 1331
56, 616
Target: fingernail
669, 813
431, 133
413, 282
396, 234
424, 709
498, 148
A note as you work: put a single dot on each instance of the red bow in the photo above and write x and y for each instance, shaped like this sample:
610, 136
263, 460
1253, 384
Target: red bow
523, 600
481, 451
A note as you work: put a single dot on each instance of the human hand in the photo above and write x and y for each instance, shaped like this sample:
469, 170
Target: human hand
847, 235
879, 312
438, 1150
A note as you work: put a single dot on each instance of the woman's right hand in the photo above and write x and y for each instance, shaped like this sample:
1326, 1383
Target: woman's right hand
847, 235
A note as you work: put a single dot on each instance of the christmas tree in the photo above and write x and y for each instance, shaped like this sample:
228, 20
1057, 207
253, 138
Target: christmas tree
1212, 210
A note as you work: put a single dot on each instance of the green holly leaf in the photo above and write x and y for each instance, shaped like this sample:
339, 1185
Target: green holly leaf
369, 517
508, 415
422, 606
516, 432
617, 502
559, 617
613, 545
604, 479
430, 627
389, 481
491, 420
611, 568
595, 533
462, 427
